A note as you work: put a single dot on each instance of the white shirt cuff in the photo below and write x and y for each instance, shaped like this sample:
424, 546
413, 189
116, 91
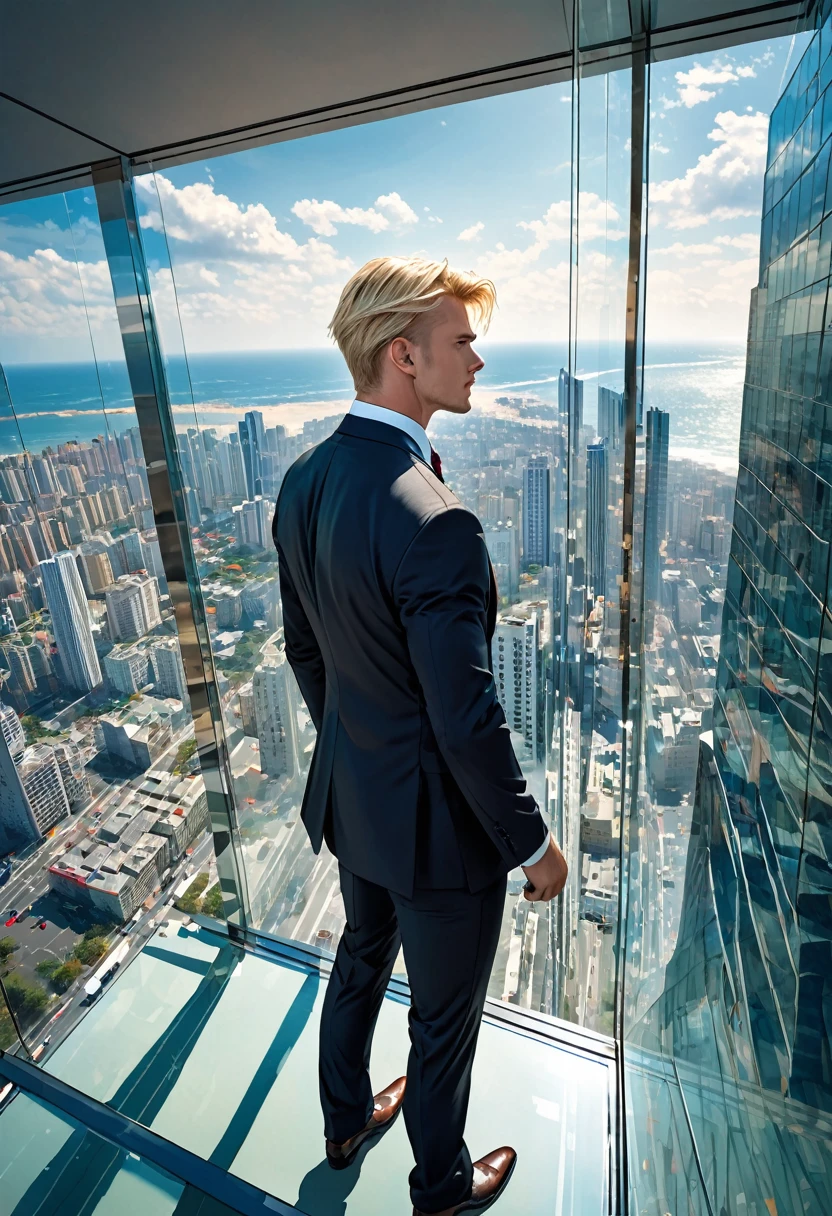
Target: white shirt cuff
538, 854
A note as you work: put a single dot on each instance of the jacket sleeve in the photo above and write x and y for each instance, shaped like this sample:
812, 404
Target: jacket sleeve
441, 591
302, 649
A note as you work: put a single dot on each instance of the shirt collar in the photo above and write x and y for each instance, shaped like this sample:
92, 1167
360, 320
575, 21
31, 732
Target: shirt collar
378, 413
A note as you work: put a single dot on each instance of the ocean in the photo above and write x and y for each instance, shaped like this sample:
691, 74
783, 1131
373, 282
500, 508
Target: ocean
700, 387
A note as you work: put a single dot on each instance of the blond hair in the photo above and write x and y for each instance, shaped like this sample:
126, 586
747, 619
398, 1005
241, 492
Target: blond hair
385, 299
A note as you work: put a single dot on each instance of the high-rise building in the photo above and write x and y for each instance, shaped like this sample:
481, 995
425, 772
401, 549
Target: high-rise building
229, 604
40, 776
252, 524
502, 544
597, 510
756, 932
611, 417
132, 606
126, 668
248, 710
275, 708
537, 512
168, 669
71, 624
571, 398
517, 671
12, 730
253, 442
21, 671
655, 521
18, 825
95, 570
73, 774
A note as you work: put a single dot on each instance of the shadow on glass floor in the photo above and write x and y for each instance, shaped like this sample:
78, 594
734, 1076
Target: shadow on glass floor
216, 1050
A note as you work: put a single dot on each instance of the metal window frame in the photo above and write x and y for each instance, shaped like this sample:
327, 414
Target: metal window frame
115, 197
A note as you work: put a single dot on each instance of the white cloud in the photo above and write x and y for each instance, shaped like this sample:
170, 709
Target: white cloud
211, 224
596, 217
469, 234
41, 294
749, 241
700, 298
241, 282
397, 209
658, 147
680, 249
323, 217
690, 90
723, 184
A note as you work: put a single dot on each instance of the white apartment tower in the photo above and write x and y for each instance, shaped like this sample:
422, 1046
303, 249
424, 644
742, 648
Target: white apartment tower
71, 624
167, 666
275, 710
517, 672
251, 521
133, 606
12, 731
18, 825
40, 775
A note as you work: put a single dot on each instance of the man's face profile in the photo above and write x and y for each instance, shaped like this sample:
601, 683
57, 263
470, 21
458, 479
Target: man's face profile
441, 358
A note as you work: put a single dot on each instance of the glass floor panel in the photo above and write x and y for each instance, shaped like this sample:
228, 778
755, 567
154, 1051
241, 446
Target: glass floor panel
216, 1049
50, 1165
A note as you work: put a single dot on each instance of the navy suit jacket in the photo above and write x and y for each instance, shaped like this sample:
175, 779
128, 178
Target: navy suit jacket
389, 607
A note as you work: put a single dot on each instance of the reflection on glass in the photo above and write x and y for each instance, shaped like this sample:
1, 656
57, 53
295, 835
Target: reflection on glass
725, 1040
102, 809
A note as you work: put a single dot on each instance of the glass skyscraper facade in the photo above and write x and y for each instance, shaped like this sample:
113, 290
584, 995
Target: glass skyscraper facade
744, 1014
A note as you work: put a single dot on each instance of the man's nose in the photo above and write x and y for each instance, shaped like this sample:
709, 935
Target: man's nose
478, 364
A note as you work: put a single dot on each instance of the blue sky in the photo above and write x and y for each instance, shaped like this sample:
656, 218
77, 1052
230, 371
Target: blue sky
261, 241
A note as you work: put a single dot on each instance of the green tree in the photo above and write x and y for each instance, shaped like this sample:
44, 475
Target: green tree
90, 949
47, 967
183, 757
212, 903
66, 973
26, 997
7, 948
99, 931
190, 901
7, 1034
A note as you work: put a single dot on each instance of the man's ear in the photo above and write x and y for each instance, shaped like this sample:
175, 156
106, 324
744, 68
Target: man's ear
401, 355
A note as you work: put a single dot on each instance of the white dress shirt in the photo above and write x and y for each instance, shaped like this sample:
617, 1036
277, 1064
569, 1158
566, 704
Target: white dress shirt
378, 413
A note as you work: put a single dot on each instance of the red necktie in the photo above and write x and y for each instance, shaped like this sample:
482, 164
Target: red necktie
436, 463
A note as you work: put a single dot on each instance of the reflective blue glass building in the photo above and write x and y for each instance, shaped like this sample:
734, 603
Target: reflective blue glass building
745, 1014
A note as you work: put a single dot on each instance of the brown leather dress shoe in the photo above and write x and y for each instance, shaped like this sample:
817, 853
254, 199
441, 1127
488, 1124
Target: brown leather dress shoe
386, 1107
491, 1175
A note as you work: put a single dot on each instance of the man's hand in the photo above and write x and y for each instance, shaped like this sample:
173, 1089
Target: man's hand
547, 876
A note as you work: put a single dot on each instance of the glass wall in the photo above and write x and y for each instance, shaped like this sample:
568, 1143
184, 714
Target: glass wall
721, 971
248, 254
103, 813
